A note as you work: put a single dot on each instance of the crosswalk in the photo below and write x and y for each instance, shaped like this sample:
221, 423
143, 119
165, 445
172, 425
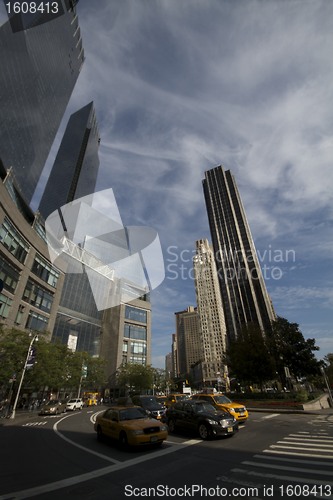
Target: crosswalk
298, 466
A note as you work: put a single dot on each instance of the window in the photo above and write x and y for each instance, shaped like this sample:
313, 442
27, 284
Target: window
135, 332
36, 322
45, 271
9, 275
136, 314
5, 303
19, 315
13, 241
138, 348
37, 296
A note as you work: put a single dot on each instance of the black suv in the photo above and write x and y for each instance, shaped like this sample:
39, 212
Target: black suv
201, 417
151, 405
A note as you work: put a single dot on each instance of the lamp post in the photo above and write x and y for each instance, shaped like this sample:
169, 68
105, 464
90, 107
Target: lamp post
34, 338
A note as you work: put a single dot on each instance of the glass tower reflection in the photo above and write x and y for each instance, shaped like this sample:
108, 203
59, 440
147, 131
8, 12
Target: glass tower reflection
39, 69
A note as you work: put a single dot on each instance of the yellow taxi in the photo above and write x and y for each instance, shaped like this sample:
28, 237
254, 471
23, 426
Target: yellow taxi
221, 402
130, 425
174, 398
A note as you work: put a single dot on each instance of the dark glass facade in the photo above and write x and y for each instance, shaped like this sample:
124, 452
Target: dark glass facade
74, 172
39, 68
73, 176
244, 295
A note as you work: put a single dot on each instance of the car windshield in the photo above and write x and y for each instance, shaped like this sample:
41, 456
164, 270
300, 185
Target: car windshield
150, 403
204, 407
72, 401
132, 414
222, 399
181, 397
52, 403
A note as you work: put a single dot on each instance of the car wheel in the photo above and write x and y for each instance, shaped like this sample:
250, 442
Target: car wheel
123, 439
204, 431
99, 433
171, 425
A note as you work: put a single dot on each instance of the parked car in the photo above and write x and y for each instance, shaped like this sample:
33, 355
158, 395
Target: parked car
151, 405
75, 404
53, 407
130, 425
200, 417
222, 402
173, 398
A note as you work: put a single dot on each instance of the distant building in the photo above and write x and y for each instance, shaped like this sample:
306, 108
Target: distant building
212, 369
168, 365
126, 336
244, 295
189, 340
174, 356
31, 284
39, 68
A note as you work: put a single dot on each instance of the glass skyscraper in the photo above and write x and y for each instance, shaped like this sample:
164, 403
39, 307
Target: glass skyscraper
244, 295
39, 68
74, 172
73, 176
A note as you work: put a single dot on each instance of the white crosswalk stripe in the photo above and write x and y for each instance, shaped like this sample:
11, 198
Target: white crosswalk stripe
34, 424
302, 458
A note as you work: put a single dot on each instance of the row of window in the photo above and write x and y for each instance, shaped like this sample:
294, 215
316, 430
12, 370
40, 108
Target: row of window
35, 321
12, 240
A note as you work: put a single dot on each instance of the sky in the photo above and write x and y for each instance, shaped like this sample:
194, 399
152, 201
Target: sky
181, 86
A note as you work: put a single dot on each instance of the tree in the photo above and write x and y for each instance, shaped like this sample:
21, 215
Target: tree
135, 377
248, 357
291, 350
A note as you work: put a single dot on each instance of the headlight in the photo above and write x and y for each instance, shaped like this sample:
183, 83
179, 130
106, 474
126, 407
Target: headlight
231, 409
212, 422
163, 428
137, 432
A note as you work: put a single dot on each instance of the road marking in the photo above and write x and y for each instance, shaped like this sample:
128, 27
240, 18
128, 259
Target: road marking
284, 467
73, 443
270, 416
63, 483
306, 480
296, 461
302, 449
298, 454
32, 424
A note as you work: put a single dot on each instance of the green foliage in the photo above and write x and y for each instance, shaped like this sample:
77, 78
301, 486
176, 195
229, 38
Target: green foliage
135, 377
290, 349
55, 367
248, 357
328, 361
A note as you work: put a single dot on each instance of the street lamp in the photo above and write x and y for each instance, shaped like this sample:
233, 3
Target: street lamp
34, 338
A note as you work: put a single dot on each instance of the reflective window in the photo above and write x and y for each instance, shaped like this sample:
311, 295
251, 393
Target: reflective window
36, 321
135, 332
5, 303
13, 241
45, 271
9, 275
37, 296
136, 314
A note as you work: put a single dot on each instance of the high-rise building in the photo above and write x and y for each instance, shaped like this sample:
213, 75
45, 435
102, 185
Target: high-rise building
213, 368
39, 68
30, 285
244, 295
75, 169
126, 336
189, 340
73, 176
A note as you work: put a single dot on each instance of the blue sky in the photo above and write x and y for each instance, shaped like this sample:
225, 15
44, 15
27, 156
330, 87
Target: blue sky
181, 86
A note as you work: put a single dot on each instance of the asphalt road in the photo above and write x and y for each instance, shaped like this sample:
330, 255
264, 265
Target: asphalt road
272, 456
